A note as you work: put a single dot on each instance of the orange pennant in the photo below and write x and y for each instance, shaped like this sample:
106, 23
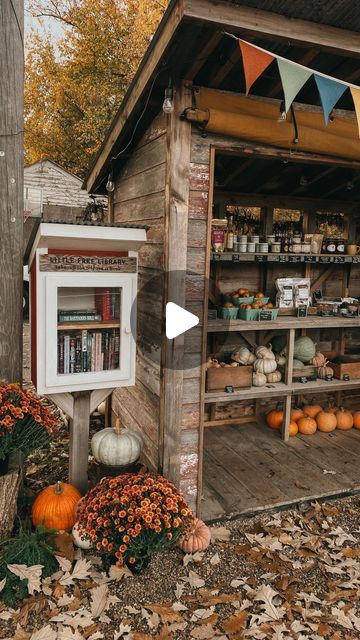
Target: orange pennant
254, 61
355, 92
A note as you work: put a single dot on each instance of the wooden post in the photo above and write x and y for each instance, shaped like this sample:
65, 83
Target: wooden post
79, 441
11, 187
288, 381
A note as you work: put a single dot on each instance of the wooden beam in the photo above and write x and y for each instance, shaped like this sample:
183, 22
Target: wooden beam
227, 67
138, 86
65, 402
322, 278
284, 202
203, 55
97, 397
237, 172
175, 258
79, 441
342, 184
274, 26
319, 176
11, 189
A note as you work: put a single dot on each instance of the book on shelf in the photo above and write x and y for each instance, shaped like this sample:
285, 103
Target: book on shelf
87, 351
79, 316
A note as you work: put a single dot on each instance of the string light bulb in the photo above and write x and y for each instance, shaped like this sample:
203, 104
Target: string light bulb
110, 185
282, 114
168, 104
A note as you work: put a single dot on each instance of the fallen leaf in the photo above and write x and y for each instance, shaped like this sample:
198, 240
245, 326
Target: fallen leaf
99, 598
192, 557
236, 623
123, 629
266, 595
64, 563
194, 580
220, 533
2, 584
166, 612
31, 574
34, 604
115, 573
348, 552
46, 633
69, 634
179, 606
215, 559
203, 632
20, 634
80, 572
64, 543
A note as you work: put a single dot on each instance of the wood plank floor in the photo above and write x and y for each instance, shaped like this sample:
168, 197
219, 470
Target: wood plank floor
248, 468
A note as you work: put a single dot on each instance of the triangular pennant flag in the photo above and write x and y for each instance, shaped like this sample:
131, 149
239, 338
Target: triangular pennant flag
356, 97
293, 79
330, 92
254, 61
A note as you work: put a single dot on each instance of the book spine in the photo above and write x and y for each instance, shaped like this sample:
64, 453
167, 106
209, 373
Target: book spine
78, 354
80, 318
93, 352
116, 349
67, 354
72, 354
106, 305
84, 350
61, 353
98, 351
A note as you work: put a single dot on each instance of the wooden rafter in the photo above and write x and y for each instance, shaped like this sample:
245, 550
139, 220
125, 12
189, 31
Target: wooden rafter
312, 181
343, 184
202, 56
227, 67
286, 201
240, 168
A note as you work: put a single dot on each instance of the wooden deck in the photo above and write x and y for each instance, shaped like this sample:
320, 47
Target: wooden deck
248, 468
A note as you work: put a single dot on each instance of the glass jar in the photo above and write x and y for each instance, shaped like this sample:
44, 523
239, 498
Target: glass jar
218, 234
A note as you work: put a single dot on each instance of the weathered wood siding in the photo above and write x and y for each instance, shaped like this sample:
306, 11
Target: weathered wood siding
45, 183
139, 198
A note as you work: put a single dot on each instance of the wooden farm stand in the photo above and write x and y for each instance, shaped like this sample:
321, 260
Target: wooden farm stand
180, 170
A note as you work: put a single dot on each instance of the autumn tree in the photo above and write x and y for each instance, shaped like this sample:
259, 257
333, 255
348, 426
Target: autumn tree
75, 83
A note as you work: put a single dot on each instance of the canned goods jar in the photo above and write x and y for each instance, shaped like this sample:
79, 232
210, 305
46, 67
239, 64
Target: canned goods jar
255, 239
218, 231
251, 247
275, 247
263, 247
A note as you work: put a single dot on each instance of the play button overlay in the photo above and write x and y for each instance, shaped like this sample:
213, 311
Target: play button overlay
178, 320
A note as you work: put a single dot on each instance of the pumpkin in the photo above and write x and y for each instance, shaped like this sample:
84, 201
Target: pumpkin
318, 360
252, 358
275, 376
197, 539
307, 426
258, 379
81, 538
304, 349
344, 419
278, 343
356, 417
264, 353
312, 410
241, 355
116, 447
324, 371
326, 421
297, 364
274, 419
55, 507
293, 428
265, 365
296, 413
281, 360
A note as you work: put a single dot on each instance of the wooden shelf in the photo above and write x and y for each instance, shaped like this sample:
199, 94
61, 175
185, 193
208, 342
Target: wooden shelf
283, 322
280, 389
228, 256
73, 326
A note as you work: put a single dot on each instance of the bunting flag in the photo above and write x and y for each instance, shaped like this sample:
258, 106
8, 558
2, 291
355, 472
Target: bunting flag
330, 92
255, 62
356, 98
293, 79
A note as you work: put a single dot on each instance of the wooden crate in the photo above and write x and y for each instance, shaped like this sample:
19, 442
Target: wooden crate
237, 377
345, 365
309, 371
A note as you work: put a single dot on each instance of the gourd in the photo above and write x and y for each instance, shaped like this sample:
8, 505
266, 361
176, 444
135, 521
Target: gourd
318, 360
326, 421
293, 428
55, 507
297, 364
81, 538
344, 419
274, 419
304, 349
312, 410
356, 417
296, 413
263, 353
265, 365
324, 371
307, 426
278, 343
252, 358
197, 539
281, 360
258, 379
241, 355
275, 376
116, 447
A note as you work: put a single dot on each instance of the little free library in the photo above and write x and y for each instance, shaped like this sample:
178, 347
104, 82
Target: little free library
245, 183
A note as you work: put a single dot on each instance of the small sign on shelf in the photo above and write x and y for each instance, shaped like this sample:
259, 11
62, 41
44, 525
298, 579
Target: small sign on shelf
346, 377
265, 314
229, 388
303, 379
328, 377
236, 257
261, 258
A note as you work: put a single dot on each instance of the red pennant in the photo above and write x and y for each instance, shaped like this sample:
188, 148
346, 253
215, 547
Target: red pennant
254, 61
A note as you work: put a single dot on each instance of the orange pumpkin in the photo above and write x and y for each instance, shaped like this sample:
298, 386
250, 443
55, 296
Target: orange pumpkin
293, 428
296, 414
356, 416
197, 539
344, 419
55, 506
326, 421
274, 419
332, 409
312, 410
307, 426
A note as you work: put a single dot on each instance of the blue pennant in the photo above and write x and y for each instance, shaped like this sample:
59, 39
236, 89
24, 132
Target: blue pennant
330, 92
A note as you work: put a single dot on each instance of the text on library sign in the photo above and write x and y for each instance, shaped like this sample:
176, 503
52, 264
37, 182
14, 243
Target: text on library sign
59, 262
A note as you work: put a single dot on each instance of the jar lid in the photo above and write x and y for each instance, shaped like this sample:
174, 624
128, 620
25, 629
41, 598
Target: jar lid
219, 222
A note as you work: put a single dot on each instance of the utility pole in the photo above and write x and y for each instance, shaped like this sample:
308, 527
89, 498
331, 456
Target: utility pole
11, 187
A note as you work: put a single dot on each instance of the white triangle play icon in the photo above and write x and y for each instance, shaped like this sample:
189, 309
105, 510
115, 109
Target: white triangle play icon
178, 320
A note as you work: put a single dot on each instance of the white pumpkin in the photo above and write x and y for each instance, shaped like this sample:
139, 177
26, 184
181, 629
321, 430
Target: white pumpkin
281, 360
275, 376
265, 365
252, 358
241, 355
258, 379
265, 352
81, 538
116, 447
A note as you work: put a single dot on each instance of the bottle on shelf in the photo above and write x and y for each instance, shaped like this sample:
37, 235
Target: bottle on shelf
230, 234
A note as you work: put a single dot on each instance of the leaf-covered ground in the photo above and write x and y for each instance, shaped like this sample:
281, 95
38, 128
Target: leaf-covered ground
293, 574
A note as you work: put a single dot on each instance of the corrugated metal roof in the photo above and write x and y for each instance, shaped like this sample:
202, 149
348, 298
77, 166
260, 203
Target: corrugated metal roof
344, 14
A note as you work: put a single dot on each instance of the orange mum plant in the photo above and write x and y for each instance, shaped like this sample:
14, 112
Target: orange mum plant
131, 516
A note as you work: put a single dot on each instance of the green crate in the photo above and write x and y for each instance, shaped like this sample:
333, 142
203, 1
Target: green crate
226, 313
238, 301
253, 314
262, 300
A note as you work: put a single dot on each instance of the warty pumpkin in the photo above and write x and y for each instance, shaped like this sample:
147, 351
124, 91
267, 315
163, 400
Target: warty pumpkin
312, 410
55, 507
197, 539
356, 417
293, 428
344, 419
274, 419
326, 421
307, 426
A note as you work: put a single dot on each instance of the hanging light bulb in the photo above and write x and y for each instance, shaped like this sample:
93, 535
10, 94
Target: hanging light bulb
110, 185
282, 114
168, 104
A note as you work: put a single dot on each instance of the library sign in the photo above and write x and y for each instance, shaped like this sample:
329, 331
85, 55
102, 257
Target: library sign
109, 264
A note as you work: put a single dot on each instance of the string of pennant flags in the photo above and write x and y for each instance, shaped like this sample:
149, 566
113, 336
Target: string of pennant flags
293, 77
